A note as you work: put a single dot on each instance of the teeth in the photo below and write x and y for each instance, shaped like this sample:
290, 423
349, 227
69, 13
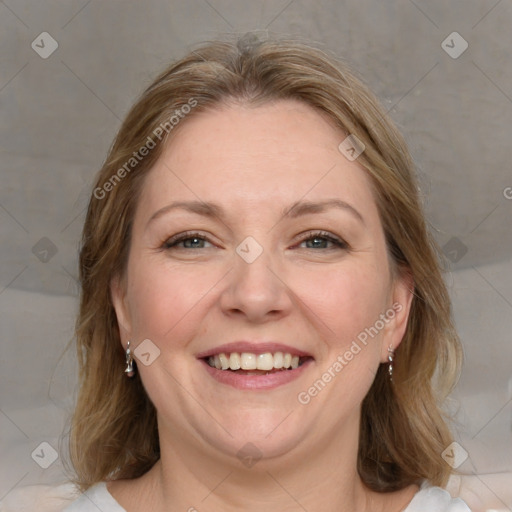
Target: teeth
278, 360
224, 361
265, 362
235, 361
248, 361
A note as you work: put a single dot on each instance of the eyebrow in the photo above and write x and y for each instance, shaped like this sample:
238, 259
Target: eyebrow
297, 209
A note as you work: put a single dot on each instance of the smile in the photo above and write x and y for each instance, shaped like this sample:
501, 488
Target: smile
247, 361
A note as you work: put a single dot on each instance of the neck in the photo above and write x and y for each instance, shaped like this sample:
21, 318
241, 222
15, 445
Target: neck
323, 479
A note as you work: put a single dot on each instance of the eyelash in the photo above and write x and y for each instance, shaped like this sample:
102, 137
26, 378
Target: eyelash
172, 242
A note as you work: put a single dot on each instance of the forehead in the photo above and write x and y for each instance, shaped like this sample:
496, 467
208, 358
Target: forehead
257, 157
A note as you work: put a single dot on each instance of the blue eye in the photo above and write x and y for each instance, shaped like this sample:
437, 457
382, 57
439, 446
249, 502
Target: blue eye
189, 240
320, 238
195, 240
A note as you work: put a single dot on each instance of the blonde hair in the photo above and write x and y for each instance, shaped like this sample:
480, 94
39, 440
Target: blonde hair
403, 429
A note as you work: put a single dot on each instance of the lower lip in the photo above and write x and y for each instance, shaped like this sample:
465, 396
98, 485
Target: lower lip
255, 382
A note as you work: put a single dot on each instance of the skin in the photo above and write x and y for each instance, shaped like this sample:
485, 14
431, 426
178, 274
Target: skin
316, 296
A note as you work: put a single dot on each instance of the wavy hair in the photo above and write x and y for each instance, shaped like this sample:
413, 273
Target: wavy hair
403, 429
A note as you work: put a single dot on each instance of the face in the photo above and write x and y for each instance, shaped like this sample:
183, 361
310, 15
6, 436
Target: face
251, 260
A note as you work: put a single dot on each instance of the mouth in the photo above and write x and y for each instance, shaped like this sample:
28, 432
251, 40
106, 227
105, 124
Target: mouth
247, 363
255, 366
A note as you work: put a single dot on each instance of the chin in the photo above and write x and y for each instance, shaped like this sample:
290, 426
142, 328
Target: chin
258, 436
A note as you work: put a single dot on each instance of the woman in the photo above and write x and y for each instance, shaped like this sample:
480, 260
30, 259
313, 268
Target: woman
263, 322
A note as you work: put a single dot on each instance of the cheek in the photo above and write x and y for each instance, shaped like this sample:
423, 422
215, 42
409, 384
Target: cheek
346, 300
165, 300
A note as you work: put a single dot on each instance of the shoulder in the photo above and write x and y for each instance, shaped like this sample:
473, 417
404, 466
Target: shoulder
60, 498
95, 498
49, 498
435, 499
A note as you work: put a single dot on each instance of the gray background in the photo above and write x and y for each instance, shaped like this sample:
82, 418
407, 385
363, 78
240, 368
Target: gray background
59, 115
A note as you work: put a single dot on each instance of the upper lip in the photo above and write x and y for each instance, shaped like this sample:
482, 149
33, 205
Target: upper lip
253, 348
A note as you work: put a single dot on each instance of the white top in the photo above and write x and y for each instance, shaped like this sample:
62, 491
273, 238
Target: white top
65, 498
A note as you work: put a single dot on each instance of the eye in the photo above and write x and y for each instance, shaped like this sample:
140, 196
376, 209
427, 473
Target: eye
192, 240
321, 238
189, 241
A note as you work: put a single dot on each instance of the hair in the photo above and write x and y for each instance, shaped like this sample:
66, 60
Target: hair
403, 428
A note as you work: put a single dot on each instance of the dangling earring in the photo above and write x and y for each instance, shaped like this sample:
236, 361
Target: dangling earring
129, 362
391, 354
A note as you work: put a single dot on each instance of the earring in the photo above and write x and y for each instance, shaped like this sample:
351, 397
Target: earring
129, 362
391, 355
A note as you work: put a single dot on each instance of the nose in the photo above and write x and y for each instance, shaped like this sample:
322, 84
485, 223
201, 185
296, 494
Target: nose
256, 291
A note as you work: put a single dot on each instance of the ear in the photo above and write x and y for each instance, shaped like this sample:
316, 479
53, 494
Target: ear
120, 303
401, 296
